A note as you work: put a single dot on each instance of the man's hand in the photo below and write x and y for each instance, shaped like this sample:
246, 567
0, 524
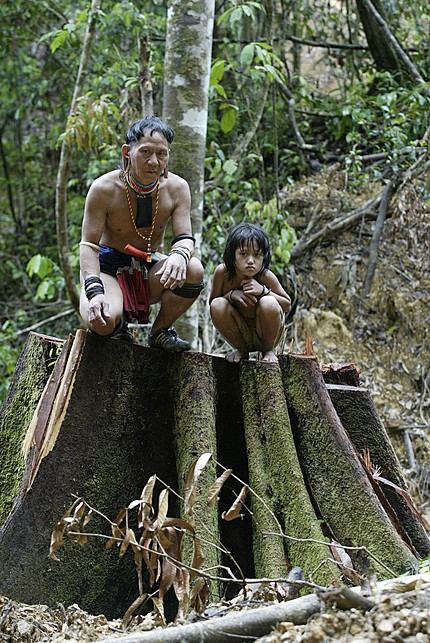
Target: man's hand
173, 272
98, 312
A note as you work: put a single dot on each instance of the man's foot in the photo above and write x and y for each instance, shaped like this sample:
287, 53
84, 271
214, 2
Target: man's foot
167, 339
122, 333
236, 356
269, 356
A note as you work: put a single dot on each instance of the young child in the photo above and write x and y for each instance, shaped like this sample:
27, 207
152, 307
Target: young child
247, 301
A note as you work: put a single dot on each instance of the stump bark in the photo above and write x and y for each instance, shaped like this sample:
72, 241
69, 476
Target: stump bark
111, 415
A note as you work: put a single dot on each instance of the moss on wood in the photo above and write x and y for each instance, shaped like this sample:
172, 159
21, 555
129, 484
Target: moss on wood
359, 417
194, 432
338, 482
31, 374
276, 477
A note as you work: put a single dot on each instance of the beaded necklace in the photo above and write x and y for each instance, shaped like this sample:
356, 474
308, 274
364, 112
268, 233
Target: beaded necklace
130, 208
138, 187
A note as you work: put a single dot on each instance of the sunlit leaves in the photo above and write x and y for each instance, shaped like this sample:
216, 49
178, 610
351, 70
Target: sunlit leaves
236, 14
93, 123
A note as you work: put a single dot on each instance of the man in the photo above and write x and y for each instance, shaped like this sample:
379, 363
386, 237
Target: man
126, 214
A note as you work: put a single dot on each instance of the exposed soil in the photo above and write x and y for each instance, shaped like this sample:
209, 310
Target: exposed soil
386, 335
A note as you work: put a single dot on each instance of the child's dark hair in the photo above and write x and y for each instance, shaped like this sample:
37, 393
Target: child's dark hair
151, 124
240, 236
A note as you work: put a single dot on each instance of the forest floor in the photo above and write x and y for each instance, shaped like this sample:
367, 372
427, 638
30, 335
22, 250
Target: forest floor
386, 335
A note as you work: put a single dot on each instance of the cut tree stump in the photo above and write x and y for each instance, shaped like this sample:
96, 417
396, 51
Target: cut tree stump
111, 415
339, 485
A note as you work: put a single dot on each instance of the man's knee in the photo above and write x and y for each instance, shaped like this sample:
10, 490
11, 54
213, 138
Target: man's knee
189, 291
195, 271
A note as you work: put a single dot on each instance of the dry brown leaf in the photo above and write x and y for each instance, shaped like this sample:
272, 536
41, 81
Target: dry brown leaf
216, 487
198, 556
151, 560
117, 534
199, 595
181, 587
88, 517
56, 540
341, 556
131, 610
126, 541
146, 501
179, 523
234, 511
163, 507
191, 480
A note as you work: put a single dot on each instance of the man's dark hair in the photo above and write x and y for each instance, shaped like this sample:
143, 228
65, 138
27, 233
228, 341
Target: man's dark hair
240, 236
149, 124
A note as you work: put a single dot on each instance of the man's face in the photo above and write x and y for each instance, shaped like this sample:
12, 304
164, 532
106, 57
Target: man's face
148, 157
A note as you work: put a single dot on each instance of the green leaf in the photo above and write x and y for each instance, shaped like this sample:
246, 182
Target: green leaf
228, 120
247, 55
230, 167
217, 71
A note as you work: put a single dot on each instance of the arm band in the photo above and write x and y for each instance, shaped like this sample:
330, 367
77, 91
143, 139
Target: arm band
93, 286
94, 246
181, 237
266, 291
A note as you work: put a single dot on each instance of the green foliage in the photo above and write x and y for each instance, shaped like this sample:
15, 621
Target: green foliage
9, 352
343, 109
50, 275
94, 120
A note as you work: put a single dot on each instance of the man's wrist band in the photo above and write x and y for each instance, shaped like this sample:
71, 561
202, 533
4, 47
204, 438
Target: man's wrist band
182, 251
93, 286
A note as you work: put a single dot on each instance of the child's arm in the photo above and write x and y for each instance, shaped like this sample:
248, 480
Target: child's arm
218, 283
267, 285
271, 281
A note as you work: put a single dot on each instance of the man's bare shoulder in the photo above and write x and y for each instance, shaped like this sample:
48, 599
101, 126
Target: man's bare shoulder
106, 183
175, 182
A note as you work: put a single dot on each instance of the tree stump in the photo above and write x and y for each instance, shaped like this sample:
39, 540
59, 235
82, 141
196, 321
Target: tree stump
111, 415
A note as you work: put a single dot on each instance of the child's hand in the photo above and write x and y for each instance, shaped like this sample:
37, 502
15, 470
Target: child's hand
252, 289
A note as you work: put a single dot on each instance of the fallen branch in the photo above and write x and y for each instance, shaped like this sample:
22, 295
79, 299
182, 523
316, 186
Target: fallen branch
374, 244
340, 224
250, 623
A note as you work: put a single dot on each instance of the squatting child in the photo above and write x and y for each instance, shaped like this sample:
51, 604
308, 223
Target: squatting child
247, 301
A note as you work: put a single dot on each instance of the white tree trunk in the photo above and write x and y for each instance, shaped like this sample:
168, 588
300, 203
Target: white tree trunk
186, 84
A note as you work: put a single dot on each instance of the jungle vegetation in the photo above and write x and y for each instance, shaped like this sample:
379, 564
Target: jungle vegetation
294, 86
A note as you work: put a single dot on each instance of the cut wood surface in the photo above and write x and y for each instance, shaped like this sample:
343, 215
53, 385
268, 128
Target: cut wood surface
115, 414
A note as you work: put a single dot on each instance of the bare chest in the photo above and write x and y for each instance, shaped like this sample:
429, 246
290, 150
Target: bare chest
127, 221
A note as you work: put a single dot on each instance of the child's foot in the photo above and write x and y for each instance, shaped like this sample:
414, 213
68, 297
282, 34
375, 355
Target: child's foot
269, 356
236, 356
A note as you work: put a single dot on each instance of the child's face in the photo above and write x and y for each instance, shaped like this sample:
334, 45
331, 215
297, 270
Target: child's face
248, 259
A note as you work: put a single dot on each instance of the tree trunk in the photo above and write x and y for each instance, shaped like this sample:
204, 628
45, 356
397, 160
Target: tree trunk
64, 165
185, 107
112, 415
31, 375
275, 475
336, 479
384, 47
367, 433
